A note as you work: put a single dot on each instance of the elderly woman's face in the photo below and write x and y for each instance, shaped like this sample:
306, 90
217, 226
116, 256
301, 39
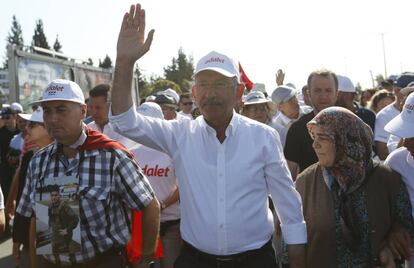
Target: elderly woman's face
323, 145
258, 112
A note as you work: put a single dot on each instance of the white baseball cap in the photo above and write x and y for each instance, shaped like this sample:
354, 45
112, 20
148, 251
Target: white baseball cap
283, 93
151, 109
16, 107
403, 124
36, 116
172, 93
345, 84
62, 90
219, 63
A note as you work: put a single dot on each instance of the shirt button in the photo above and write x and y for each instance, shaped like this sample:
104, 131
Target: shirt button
221, 199
220, 174
221, 226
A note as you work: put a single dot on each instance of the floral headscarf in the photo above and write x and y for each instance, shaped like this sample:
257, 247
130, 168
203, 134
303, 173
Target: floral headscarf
353, 142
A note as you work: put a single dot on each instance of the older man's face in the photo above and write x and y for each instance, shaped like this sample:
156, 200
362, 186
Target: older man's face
63, 120
215, 95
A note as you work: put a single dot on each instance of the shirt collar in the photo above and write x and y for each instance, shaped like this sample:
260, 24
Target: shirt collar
81, 140
230, 130
285, 120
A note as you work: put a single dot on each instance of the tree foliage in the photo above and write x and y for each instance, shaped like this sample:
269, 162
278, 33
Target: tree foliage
379, 78
39, 37
180, 71
57, 46
163, 84
107, 62
14, 37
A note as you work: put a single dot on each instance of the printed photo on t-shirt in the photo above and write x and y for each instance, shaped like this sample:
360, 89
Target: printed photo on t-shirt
57, 216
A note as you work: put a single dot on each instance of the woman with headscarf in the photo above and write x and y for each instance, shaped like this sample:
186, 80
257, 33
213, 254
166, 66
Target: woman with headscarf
350, 203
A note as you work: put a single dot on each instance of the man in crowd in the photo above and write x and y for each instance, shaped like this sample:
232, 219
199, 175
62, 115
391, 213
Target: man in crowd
98, 108
387, 114
62, 220
346, 95
323, 91
110, 182
225, 163
186, 105
8, 159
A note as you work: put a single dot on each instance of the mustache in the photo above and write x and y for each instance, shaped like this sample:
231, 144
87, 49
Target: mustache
211, 102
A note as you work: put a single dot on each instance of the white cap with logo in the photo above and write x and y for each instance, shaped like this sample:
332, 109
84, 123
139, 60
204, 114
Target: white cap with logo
403, 124
62, 90
219, 63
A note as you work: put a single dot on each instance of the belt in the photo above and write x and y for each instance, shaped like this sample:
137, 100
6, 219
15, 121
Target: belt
226, 259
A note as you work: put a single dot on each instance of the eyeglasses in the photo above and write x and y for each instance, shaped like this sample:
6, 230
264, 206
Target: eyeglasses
33, 124
219, 85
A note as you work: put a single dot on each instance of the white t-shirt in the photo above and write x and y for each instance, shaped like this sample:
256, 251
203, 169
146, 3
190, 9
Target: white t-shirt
392, 143
402, 161
383, 117
159, 169
1, 199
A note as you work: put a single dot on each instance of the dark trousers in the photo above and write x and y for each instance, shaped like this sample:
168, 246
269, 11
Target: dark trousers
191, 257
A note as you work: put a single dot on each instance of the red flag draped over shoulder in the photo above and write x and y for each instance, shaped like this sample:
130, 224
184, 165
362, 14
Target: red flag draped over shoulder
96, 140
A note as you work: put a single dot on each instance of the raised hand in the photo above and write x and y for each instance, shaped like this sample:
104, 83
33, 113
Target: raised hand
280, 77
131, 40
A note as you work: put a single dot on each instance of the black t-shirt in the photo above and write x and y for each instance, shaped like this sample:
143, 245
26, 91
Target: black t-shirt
5, 138
366, 115
298, 147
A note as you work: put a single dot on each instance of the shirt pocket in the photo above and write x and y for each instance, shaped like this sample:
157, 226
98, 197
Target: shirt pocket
95, 205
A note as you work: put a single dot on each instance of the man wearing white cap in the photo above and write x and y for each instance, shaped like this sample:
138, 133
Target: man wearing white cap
225, 163
159, 169
108, 184
346, 95
402, 159
387, 114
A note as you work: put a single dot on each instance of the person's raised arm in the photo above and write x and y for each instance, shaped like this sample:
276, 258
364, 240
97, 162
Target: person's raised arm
130, 47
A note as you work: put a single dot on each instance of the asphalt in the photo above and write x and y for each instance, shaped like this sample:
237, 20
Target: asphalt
6, 258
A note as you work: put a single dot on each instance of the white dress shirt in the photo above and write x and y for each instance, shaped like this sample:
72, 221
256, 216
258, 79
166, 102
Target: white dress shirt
224, 186
109, 131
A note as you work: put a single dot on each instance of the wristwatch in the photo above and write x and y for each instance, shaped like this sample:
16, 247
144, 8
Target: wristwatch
162, 205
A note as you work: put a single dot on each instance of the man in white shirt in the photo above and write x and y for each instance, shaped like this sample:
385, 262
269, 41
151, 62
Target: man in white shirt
402, 159
226, 164
159, 169
387, 114
98, 107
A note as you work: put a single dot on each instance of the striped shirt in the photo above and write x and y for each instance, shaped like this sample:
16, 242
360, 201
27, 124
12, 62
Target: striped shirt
110, 185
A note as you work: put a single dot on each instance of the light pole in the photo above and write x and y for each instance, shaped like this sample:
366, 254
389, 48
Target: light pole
383, 52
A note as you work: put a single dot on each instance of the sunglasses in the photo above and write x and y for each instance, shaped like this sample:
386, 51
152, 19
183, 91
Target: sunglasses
33, 124
188, 103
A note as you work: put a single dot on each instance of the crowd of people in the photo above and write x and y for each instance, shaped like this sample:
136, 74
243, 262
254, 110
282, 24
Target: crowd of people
218, 177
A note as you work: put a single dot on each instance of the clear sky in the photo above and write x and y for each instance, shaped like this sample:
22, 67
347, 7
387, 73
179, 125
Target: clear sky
264, 35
